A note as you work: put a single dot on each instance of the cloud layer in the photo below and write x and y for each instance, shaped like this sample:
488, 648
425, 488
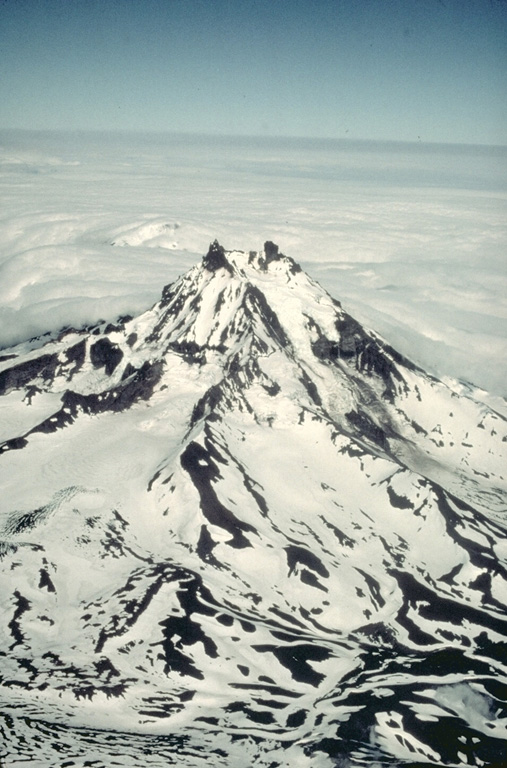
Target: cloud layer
411, 238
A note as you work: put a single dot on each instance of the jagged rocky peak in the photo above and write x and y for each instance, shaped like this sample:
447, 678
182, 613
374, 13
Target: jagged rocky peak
216, 259
271, 253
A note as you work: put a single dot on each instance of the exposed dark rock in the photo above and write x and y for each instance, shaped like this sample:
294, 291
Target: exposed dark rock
255, 716
205, 547
209, 400
374, 588
168, 294
296, 657
139, 387
216, 259
345, 541
308, 577
106, 667
372, 359
75, 358
220, 302
417, 428
299, 555
20, 375
369, 355
257, 306
134, 607
22, 606
58, 420
197, 461
188, 632
15, 444
76, 354
105, 353
352, 336
433, 607
379, 633
297, 718
367, 428
128, 371
65, 331
17, 523
45, 581
191, 352
272, 389
271, 252
325, 349
399, 359
31, 391
113, 328
310, 387
400, 502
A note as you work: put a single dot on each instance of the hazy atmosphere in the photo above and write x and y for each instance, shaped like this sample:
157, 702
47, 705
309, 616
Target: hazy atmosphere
369, 69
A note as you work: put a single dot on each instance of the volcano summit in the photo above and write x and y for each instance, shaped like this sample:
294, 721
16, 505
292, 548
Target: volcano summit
242, 530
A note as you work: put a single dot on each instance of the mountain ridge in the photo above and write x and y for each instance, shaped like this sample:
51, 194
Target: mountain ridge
247, 426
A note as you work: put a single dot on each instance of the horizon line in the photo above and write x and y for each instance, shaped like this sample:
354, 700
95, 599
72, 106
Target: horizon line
248, 136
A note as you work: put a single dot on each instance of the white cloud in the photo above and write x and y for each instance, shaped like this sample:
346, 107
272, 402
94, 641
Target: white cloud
412, 240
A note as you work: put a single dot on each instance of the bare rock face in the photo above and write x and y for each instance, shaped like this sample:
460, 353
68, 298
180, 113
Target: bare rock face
271, 251
20, 375
103, 353
216, 259
241, 529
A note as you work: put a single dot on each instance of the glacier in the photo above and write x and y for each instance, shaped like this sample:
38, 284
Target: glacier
240, 528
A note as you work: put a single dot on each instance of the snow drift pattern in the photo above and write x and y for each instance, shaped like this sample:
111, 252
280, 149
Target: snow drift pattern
240, 529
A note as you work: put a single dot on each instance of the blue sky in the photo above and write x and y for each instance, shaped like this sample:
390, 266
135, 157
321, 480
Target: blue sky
429, 70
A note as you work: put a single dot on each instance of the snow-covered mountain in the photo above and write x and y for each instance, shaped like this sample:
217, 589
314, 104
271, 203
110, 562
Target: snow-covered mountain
241, 529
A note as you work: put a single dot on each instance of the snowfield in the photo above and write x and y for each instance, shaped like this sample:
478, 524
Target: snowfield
240, 528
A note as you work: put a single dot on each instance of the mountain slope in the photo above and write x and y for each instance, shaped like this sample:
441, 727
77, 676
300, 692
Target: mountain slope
241, 529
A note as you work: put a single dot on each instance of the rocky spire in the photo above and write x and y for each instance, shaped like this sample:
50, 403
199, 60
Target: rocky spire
216, 259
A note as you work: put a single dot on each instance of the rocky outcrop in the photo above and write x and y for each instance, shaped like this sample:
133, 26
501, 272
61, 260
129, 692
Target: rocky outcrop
216, 259
105, 354
19, 376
